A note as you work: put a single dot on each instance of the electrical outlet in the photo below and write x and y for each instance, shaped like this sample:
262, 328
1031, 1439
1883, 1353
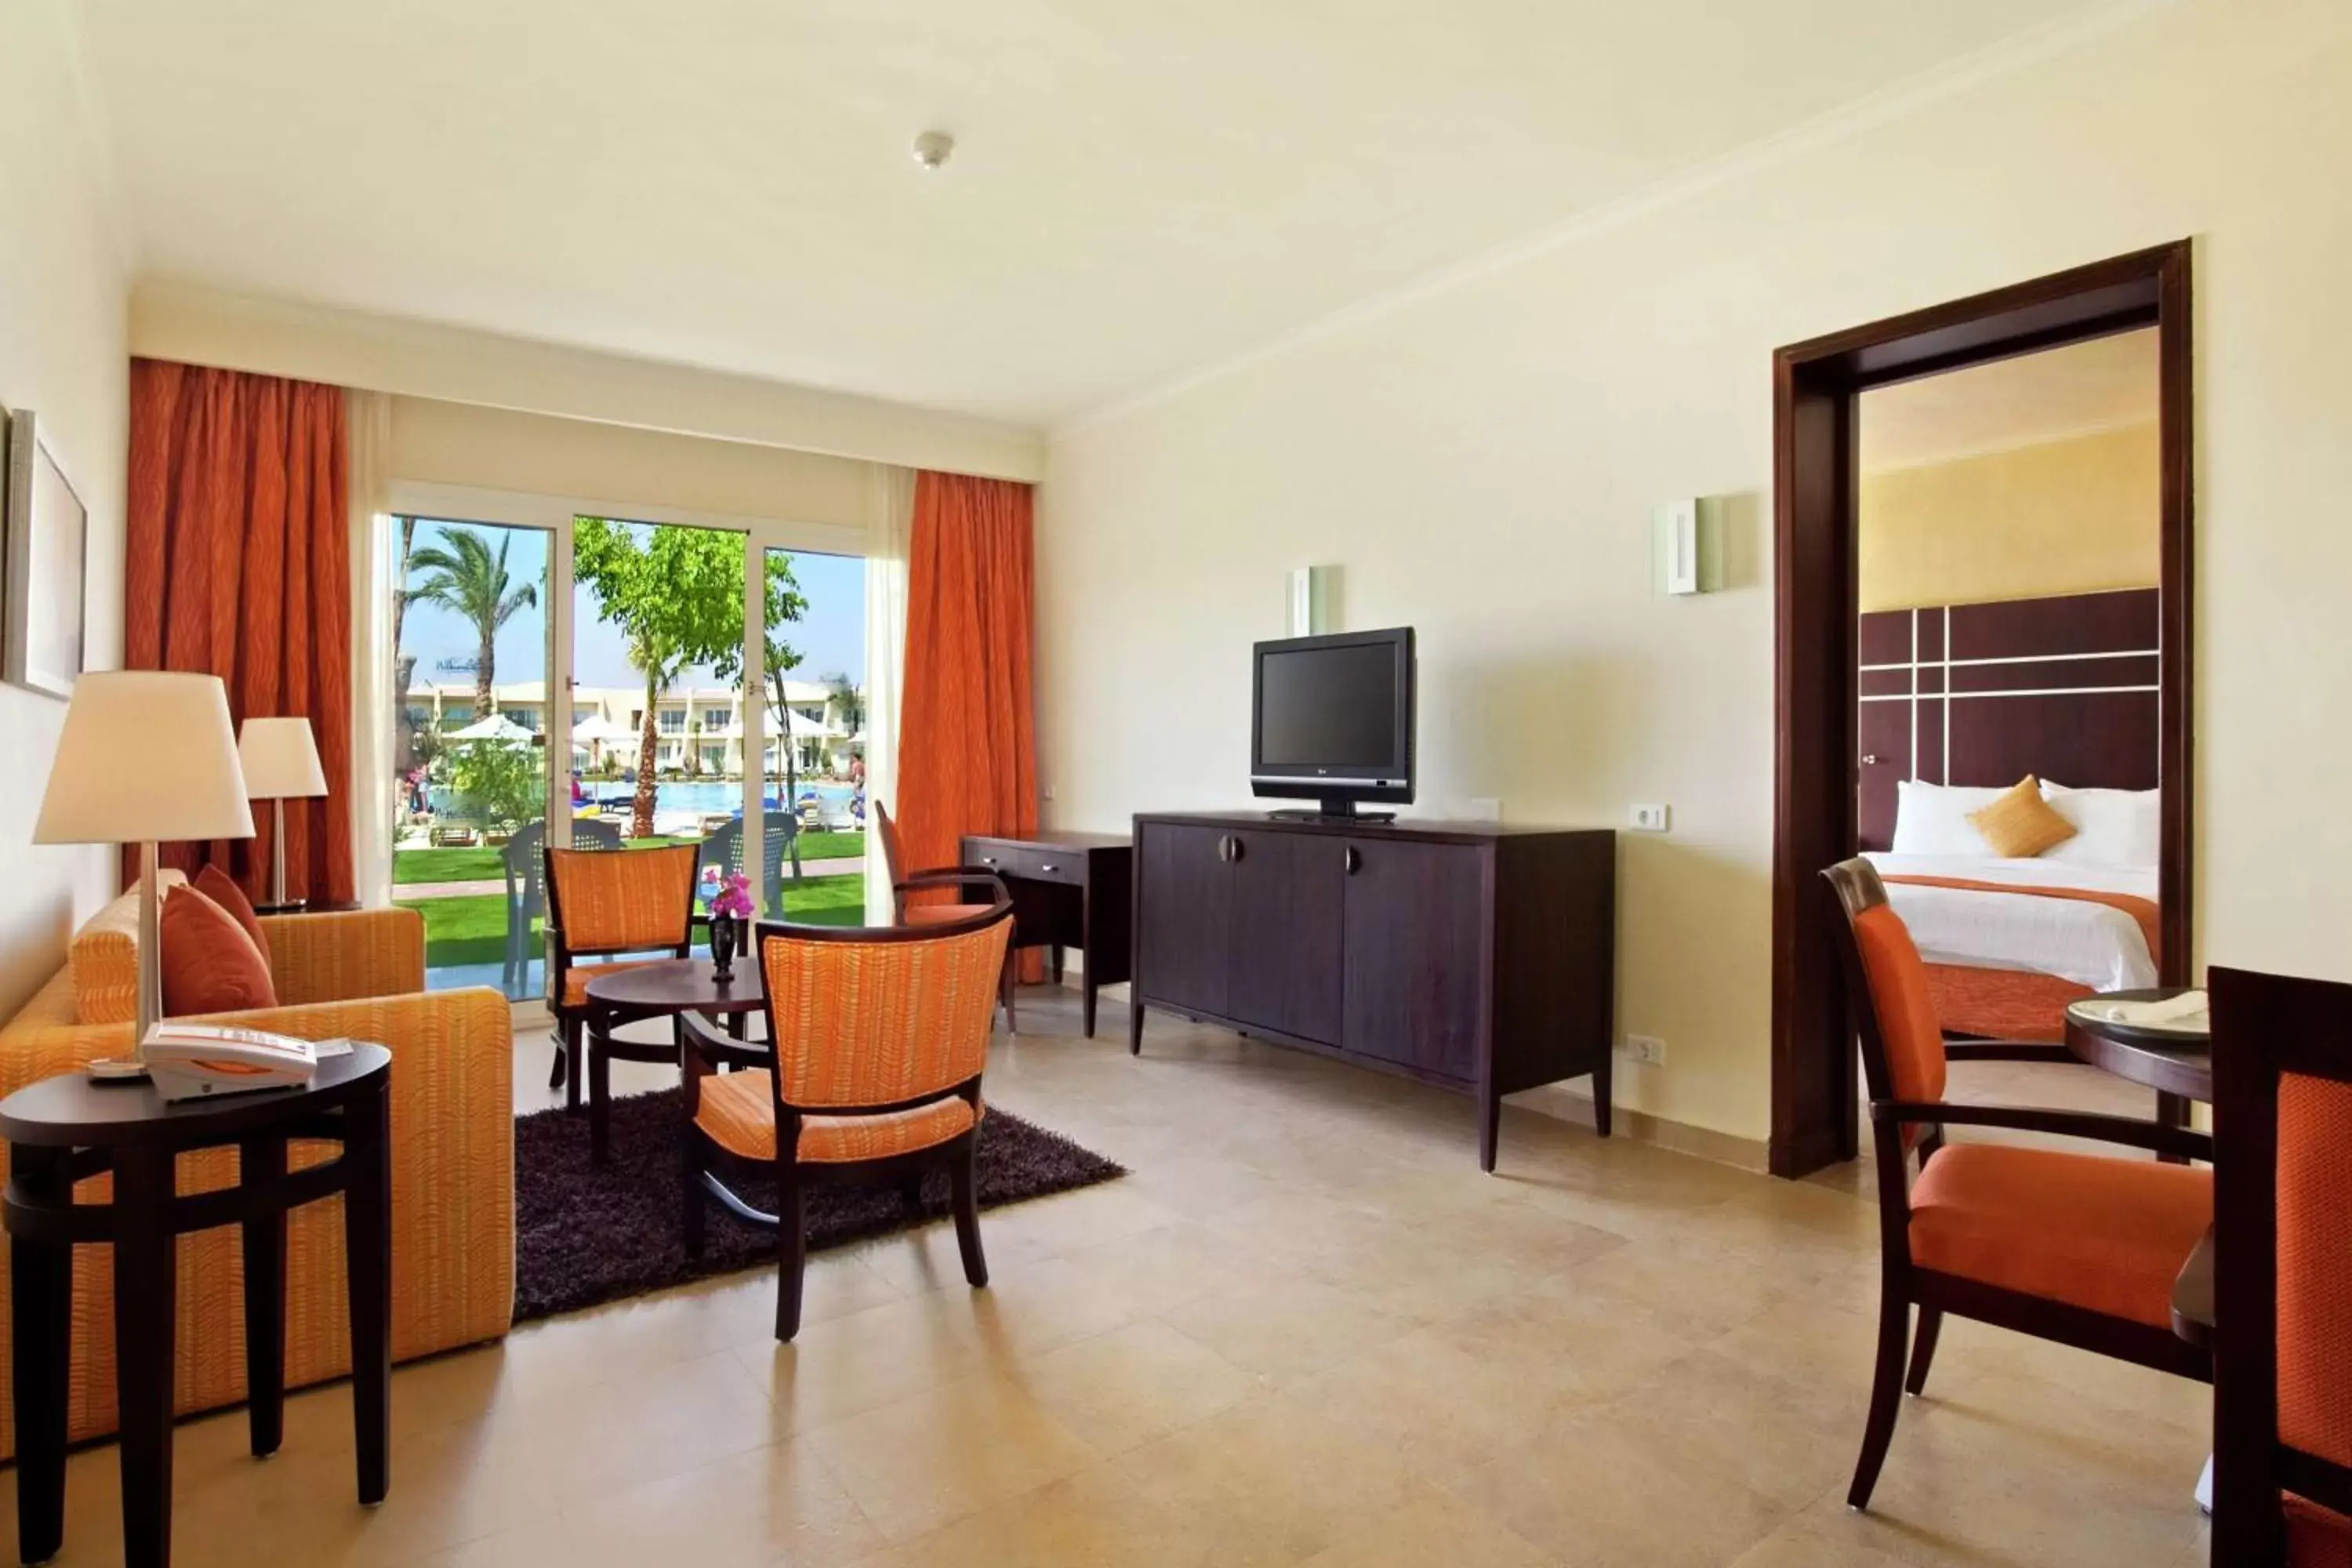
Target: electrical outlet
1651, 819
1646, 1048
1485, 808
1047, 792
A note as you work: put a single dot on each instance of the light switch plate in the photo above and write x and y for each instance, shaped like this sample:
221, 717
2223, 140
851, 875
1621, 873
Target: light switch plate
1652, 818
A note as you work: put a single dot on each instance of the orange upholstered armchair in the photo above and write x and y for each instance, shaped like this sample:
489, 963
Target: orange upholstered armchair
2079, 1248
2282, 1271
602, 903
879, 1036
903, 882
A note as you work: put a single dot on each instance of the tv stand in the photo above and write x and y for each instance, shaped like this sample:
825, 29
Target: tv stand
1330, 810
1469, 955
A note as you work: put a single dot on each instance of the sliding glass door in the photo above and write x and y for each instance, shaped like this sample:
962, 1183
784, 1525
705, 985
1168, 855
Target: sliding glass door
474, 652
593, 681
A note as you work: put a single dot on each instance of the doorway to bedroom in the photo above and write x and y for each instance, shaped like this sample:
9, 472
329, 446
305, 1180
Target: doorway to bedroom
1982, 561
2009, 644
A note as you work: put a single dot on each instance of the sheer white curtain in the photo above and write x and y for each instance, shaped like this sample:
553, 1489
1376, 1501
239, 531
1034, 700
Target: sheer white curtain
368, 468
890, 522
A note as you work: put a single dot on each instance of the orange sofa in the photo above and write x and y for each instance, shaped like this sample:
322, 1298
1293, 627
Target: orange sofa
360, 975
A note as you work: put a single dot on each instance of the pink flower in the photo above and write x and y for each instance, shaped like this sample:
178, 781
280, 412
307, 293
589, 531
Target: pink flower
734, 898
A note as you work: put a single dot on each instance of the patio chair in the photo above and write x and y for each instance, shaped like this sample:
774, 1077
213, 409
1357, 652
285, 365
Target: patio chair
527, 891
724, 849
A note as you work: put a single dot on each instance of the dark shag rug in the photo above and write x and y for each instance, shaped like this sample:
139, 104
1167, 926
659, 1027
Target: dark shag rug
584, 1235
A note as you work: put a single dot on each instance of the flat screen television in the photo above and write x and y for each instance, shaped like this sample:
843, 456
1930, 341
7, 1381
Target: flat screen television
1332, 720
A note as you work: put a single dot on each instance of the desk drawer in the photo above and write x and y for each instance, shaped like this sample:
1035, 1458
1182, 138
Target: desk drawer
1036, 862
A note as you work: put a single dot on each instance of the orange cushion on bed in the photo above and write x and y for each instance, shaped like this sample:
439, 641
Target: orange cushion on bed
221, 889
2021, 823
2103, 1234
210, 965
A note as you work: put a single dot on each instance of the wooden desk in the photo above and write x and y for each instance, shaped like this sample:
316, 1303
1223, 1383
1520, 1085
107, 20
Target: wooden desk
1070, 890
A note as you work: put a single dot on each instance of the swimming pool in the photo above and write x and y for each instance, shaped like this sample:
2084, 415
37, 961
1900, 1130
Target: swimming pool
680, 805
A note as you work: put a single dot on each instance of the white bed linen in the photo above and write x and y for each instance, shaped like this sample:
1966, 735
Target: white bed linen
2089, 943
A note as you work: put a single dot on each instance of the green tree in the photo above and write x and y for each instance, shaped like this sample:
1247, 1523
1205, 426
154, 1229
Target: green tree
785, 604
466, 578
496, 782
849, 704
676, 595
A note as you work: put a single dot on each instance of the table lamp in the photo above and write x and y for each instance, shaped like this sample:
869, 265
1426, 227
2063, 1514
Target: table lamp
282, 763
146, 756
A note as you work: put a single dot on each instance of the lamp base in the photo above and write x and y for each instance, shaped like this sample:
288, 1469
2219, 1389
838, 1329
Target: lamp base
290, 906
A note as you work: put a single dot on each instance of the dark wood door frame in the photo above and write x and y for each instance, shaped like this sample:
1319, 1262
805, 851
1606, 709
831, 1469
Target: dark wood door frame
1815, 484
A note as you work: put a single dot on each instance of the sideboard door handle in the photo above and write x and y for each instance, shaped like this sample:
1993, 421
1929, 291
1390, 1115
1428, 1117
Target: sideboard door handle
1354, 859
1236, 842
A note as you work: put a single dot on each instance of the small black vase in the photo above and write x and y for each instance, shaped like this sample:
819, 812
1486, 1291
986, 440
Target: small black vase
723, 931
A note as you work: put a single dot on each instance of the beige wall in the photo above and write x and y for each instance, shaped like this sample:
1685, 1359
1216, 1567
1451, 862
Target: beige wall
2074, 516
1481, 456
621, 468
62, 292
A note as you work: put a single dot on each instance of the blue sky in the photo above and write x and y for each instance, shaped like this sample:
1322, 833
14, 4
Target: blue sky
830, 637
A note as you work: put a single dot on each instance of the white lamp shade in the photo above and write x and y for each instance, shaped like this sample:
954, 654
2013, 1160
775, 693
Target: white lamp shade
146, 755
281, 761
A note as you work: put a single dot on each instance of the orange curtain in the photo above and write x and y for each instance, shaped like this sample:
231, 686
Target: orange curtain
239, 566
967, 741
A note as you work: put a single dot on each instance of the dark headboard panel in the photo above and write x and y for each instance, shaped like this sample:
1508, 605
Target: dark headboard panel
1984, 694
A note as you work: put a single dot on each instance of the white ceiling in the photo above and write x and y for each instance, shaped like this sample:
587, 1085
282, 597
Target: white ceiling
1140, 189
2103, 384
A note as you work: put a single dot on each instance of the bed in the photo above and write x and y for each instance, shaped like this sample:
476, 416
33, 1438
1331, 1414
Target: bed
1957, 704
2009, 942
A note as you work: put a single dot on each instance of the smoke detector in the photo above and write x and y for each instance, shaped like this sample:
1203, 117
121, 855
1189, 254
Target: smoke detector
932, 147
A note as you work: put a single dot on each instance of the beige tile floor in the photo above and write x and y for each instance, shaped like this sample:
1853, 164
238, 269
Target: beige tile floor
1306, 1330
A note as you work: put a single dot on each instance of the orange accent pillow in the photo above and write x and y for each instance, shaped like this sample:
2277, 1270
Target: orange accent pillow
210, 965
2021, 823
221, 889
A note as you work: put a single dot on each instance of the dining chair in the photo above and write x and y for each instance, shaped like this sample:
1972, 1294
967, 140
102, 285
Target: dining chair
526, 873
604, 904
878, 1037
2078, 1248
2282, 1271
906, 913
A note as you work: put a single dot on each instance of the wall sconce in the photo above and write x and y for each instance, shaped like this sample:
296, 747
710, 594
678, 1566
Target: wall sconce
1688, 544
1313, 601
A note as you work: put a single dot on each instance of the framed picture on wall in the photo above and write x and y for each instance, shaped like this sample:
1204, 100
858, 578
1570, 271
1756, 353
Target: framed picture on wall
47, 530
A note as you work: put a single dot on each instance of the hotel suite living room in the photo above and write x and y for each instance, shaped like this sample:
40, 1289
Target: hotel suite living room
1047, 784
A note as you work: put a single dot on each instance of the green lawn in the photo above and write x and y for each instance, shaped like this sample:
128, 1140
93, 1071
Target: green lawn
482, 864
473, 930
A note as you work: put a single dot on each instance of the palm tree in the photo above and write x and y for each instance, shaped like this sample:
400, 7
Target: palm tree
468, 579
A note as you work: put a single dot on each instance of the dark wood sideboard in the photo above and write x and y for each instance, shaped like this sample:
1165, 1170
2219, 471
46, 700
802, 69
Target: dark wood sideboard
1470, 955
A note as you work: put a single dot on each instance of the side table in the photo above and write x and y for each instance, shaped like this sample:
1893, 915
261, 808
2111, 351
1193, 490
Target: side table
63, 1130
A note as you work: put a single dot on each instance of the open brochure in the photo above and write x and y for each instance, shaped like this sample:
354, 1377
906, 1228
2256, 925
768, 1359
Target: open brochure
188, 1061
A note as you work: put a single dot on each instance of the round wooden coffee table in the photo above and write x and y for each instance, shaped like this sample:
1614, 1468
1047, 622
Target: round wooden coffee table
2176, 1063
664, 988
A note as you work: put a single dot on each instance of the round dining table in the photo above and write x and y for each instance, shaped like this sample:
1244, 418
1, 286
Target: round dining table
2177, 1063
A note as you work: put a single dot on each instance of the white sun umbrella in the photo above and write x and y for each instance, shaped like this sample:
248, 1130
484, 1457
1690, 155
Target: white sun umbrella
597, 729
497, 727
804, 728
